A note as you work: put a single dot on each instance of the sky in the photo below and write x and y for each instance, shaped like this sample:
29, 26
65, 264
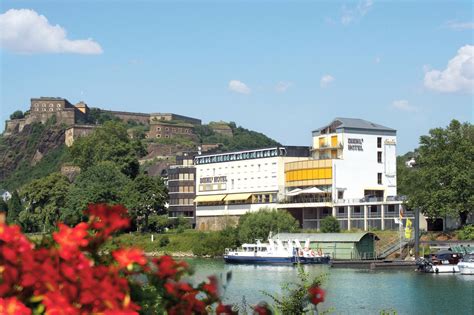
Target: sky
278, 67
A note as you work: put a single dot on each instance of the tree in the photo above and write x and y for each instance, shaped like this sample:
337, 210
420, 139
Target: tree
14, 208
17, 115
443, 177
101, 183
109, 142
330, 225
145, 196
44, 199
258, 225
3, 206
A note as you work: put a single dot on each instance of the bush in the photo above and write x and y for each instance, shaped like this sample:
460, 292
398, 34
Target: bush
466, 233
164, 241
330, 225
214, 243
158, 223
258, 225
17, 115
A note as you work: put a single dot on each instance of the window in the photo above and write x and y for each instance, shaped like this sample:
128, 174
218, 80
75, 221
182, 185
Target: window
158, 128
379, 178
379, 142
379, 157
340, 210
158, 136
391, 208
167, 129
340, 194
356, 209
373, 209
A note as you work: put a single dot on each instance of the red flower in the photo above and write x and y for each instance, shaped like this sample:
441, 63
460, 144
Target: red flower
223, 309
316, 295
70, 239
11, 306
212, 288
169, 268
107, 219
262, 309
126, 257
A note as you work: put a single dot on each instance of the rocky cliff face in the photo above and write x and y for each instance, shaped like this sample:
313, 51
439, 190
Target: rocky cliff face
28, 147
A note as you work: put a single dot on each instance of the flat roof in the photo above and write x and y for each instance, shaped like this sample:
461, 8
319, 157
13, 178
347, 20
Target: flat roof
325, 237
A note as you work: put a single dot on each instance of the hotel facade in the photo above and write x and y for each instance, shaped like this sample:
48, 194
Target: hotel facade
349, 173
229, 185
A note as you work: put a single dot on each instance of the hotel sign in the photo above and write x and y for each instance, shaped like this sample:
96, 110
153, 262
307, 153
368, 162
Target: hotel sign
355, 144
213, 180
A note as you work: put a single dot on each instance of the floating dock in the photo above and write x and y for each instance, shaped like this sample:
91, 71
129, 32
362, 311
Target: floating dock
371, 264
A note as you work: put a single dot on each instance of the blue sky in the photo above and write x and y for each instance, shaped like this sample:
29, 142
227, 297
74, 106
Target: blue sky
277, 67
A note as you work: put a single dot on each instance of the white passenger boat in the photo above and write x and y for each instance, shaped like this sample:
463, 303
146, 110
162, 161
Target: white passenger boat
275, 252
466, 265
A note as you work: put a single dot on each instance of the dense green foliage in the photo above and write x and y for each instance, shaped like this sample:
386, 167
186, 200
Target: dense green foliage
14, 208
466, 233
258, 225
442, 180
3, 206
242, 139
145, 196
101, 183
214, 244
330, 225
109, 142
17, 115
43, 200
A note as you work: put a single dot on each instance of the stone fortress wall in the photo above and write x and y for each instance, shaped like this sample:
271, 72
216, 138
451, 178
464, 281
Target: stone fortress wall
42, 109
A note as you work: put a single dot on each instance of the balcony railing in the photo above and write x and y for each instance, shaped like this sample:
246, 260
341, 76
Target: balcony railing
300, 199
325, 146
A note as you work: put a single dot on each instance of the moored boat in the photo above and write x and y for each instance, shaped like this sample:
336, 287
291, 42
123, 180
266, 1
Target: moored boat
442, 262
275, 252
466, 265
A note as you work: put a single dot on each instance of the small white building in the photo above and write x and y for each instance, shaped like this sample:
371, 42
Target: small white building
231, 184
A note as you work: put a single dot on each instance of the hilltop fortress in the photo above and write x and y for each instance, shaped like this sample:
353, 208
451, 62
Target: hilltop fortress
79, 121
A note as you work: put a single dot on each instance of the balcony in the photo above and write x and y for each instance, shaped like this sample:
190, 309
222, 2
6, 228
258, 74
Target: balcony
327, 146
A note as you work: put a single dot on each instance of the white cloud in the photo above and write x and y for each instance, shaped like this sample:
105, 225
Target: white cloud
239, 87
404, 106
460, 26
282, 86
350, 15
458, 75
25, 31
326, 80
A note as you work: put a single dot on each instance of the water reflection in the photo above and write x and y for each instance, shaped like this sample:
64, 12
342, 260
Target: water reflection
350, 291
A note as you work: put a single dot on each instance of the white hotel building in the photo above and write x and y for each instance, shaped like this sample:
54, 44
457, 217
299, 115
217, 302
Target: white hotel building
350, 174
231, 184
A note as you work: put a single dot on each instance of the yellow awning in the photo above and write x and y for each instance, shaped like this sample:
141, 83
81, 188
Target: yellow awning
209, 198
232, 197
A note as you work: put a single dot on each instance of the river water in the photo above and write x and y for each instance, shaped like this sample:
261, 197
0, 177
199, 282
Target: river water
349, 291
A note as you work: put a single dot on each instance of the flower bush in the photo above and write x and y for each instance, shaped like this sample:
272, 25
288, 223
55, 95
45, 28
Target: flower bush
68, 274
